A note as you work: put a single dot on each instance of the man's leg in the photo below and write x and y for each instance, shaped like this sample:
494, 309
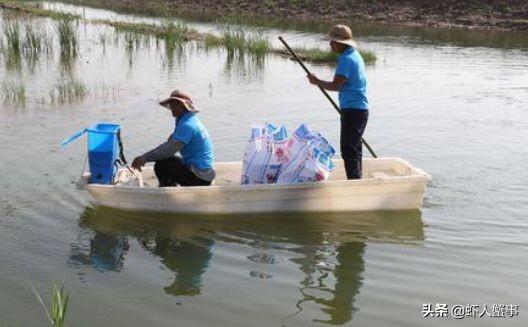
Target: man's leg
353, 123
172, 172
165, 170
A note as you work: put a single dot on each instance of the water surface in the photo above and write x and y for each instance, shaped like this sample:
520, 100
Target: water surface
458, 112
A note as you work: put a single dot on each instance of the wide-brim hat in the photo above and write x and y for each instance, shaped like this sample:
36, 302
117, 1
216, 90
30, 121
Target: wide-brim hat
342, 34
184, 99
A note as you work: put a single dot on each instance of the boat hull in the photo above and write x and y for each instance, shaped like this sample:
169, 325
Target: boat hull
400, 189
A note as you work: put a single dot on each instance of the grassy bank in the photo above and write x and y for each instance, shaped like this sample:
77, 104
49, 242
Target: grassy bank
322, 56
231, 38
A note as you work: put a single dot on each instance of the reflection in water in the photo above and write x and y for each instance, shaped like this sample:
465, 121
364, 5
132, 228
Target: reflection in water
188, 259
67, 63
175, 56
327, 248
243, 65
105, 252
12, 60
336, 301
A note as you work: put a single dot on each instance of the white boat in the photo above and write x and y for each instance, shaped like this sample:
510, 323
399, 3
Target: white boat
387, 184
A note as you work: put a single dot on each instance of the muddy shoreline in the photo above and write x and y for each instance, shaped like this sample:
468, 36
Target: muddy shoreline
471, 14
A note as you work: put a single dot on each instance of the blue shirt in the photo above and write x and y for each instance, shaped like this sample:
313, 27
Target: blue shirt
353, 93
198, 148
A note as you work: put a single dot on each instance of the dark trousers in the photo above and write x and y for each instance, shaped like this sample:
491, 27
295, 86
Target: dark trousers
172, 172
353, 123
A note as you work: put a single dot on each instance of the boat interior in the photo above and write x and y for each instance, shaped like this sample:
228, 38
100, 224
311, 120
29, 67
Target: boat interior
228, 173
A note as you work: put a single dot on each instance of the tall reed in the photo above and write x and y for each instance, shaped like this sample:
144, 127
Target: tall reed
175, 34
36, 40
59, 305
13, 36
238, 40
67, 32
13, 93
68, 91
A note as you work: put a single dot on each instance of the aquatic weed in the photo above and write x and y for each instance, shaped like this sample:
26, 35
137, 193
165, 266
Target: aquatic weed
175, 33
212, 41
67, 32
317, 55
369, 56
13, 36
235, 39
68, 91
13, 93
36, 41
59, 305
257, 44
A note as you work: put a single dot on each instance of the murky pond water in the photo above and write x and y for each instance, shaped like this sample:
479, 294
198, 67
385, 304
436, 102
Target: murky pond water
460, 113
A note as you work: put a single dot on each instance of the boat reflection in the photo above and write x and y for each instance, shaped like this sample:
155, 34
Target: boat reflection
327, 248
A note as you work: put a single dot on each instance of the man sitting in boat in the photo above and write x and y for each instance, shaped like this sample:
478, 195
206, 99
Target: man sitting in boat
194, 166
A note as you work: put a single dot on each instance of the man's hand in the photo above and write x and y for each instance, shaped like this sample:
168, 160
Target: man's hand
138, 162
313, 79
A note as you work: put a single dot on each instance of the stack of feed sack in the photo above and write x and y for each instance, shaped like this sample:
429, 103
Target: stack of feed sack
272, 157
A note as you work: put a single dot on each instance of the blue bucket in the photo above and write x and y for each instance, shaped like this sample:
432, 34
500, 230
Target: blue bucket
103, 151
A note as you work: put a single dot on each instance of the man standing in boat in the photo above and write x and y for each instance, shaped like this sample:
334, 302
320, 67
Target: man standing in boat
351, 83
195, 165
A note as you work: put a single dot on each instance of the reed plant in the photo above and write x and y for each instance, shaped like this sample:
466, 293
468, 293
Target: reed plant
59, 305
175, 33
257, 44
369, 56
36, 41
13, 36
212, 41
13, 93
235, 39
68, 91
66, 28
317, 55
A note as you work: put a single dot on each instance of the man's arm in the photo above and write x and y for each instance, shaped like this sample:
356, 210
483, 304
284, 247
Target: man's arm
165, 150
334, 85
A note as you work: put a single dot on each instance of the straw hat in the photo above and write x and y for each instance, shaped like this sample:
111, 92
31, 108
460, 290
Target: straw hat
178, 96
342, 34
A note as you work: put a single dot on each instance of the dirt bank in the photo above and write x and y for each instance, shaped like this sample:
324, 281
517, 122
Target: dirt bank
484, 14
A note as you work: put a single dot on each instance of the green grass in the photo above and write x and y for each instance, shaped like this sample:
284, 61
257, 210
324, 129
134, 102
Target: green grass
237, 40
135, 35
233, 39
134, 41
173, 32
36, 41
67, 33
56, 314
36, 10
69, 91
316, 55
176, 33
13, 36
212, 41
13, 93
369, 56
